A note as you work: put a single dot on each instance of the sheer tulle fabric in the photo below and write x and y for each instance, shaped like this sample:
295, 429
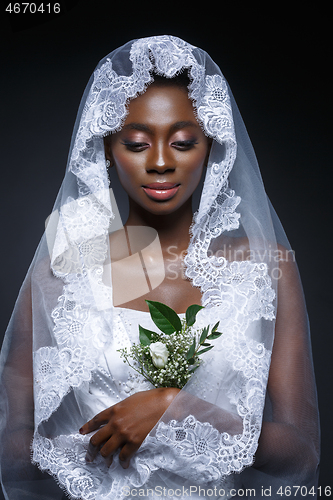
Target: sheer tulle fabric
59, 359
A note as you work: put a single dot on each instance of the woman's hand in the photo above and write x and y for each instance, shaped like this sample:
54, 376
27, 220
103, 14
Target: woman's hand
126, 424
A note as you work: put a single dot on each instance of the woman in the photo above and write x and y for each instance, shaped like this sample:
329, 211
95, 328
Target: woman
159, 113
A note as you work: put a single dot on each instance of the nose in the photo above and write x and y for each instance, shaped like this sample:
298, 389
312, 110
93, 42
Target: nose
161, 158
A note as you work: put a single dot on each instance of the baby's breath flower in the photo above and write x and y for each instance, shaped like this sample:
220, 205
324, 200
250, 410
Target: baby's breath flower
168, 359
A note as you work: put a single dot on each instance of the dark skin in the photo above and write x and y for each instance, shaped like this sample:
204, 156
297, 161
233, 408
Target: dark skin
161, 141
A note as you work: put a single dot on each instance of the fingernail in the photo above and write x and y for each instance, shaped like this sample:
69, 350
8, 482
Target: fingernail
81, 431
124, 463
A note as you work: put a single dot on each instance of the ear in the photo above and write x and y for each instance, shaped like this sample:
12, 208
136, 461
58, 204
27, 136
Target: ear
107, 149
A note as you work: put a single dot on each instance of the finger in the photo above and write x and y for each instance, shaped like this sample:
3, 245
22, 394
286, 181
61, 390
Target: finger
124, 463
97, 441
95, 423
110, 447
126, 453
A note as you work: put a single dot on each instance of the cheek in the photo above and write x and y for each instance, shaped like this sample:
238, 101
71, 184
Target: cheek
126, 167
195, 166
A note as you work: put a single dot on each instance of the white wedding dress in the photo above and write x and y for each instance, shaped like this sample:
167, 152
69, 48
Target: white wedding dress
178, 456
59, 364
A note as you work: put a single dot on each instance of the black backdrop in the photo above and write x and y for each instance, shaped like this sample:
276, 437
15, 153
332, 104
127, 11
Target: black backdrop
277, 61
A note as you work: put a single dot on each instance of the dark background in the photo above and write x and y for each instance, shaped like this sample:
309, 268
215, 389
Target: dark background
277, 60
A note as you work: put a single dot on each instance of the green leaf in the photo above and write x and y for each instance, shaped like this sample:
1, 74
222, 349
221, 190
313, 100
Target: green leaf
204, 334
191, 350
214, 336
204, 344
205, 350
164, 317
191, 313
192, 369
145, 336
215, 327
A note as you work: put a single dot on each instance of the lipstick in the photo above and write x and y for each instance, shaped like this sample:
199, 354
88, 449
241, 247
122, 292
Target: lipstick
161, 191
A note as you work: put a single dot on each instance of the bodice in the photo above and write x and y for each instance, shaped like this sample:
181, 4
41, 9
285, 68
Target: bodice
113, 380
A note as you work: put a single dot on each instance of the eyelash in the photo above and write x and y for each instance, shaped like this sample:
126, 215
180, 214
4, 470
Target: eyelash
137, 147
185, 145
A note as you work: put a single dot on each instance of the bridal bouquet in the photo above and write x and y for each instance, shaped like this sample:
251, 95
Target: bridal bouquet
170, 357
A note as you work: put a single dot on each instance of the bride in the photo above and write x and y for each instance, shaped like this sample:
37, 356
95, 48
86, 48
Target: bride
158, 123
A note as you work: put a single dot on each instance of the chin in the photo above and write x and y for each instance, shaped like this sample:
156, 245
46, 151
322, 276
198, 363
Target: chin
168, 207
163, 210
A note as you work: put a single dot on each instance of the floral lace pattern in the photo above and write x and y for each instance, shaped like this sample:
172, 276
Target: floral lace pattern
105, 109
197, 448
80, 240
205, 455
240, 291
64, 457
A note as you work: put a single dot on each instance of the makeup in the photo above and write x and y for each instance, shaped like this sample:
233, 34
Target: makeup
161, 191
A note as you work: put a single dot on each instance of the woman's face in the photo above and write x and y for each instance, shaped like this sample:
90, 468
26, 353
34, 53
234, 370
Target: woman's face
161, 150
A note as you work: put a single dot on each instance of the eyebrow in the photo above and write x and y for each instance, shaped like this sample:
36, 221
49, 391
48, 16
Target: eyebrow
184, 124
145, 128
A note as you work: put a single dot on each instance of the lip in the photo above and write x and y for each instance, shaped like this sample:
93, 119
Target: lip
161, 191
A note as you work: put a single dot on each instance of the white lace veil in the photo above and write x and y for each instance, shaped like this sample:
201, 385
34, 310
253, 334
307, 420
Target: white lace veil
240, 259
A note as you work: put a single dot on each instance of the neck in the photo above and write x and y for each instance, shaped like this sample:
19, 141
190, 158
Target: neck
172, 229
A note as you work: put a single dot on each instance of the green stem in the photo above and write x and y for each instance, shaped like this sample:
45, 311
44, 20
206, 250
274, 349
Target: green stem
197, 349
141, 372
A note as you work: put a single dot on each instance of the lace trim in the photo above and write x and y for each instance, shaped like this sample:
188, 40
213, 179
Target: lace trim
105, 109
202, 453
64, 458
195, 448
80, 330
241, 291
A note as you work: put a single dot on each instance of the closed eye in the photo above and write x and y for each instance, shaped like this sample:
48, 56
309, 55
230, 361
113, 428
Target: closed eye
184, 145
134, 146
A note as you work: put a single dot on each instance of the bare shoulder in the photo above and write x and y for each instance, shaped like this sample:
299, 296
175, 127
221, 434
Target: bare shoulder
288, 270
284, 254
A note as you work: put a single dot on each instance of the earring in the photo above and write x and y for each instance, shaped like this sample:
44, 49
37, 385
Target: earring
107, 163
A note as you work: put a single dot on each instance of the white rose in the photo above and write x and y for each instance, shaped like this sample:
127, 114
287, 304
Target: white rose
159, 354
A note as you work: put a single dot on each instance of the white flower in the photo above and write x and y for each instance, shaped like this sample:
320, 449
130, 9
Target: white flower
159, 354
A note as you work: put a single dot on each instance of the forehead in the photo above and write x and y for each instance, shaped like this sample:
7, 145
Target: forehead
161, 106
